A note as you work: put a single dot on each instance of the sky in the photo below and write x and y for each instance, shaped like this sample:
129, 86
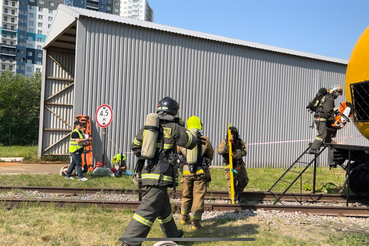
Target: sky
323, 27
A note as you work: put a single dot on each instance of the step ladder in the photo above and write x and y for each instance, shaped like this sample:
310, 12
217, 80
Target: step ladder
300, 160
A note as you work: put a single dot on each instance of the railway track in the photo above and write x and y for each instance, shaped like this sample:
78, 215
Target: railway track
362, 211
216, 195
312, 210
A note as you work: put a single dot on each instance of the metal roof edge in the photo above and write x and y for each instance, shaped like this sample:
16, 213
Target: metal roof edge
145, 24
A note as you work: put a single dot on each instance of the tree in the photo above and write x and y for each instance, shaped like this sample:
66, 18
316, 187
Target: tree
19, 108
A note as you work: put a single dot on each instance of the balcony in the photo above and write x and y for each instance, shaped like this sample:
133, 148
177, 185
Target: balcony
8, 45
9, 30
7, 52
92, 6
10, 62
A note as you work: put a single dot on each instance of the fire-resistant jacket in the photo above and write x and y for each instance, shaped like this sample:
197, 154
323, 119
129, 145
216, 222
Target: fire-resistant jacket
325, 110
164, 173
73, 145
207, 152
239, 147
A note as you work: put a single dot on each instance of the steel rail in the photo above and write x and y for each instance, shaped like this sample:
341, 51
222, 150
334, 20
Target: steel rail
216, 195
310, 210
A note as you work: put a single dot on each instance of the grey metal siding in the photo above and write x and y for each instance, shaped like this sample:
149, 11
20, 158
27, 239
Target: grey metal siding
262, 93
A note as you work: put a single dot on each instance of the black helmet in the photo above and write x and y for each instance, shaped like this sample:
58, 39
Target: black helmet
234, 131
168, 105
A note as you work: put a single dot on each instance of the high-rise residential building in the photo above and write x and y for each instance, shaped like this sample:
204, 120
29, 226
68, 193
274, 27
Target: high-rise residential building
25, 25
136, 9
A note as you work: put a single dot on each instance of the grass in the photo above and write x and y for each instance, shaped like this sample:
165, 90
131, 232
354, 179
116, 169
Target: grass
261, 179
29, 153
50, 225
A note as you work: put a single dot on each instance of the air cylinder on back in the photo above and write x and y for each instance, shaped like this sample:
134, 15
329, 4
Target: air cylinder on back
150, 136
192, 153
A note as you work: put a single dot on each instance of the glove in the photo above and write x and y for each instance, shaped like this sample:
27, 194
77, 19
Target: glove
226, 149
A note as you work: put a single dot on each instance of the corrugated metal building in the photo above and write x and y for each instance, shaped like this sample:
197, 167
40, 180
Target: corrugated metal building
93, 58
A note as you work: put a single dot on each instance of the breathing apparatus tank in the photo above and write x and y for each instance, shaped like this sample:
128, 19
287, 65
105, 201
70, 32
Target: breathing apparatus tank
193, 125
150, 136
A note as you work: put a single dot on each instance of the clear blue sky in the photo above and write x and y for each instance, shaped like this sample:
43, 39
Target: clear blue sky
323, 27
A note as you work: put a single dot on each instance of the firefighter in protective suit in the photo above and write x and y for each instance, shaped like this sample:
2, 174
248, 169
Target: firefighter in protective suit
324, 117
195, 176
238, 151
158, 173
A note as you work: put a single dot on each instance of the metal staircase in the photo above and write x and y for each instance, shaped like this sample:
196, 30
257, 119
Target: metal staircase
306, 161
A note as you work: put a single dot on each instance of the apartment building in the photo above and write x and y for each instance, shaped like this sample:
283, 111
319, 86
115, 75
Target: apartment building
137, 9
25, 25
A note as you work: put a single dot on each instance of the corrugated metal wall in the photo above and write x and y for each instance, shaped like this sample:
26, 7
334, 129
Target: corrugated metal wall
262, 93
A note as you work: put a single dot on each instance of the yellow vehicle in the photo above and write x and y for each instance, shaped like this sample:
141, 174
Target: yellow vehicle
357, 94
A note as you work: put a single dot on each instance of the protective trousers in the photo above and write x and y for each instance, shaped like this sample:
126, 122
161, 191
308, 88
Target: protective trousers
324, 134
193, 194
240, 181
155, 204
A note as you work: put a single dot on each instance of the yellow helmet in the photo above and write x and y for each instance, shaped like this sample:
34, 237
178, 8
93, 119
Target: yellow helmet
194, 122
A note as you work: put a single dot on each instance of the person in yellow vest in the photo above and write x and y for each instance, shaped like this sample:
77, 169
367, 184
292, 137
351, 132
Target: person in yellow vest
195, 176
76, 146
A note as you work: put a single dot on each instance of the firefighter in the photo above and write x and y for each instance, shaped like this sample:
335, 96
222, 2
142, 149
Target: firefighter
238, 151
119, 161
323, 117
76, 147
195, 175
159, 172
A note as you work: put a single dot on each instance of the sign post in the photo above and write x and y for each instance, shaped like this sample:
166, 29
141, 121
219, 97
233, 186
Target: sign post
104, 115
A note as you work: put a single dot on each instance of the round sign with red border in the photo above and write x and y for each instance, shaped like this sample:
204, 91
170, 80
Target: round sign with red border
104, 115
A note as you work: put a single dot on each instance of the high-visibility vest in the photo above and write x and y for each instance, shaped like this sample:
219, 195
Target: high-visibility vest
73, 145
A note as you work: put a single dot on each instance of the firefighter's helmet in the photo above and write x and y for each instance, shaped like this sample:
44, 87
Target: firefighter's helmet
194, 122
168, 105
234, 131
336, 90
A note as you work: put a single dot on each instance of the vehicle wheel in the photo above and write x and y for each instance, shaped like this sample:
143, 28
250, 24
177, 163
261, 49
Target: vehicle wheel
359, 180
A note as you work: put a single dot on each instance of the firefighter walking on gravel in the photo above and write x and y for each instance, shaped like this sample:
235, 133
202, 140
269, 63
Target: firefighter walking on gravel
156, 147
238, 151
195, 175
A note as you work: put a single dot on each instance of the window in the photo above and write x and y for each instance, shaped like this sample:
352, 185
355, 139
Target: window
50, 11
13, 20
31, 23
29, 45
5, 27
116, 2
50, 18
5, 18
48, 26
41, 1
39, 55
39, 31
39, 39
29, 69
22, 36
13, 11
38, 69
40, 17
29, 61
39, 24
32, 1
30, 29
39, 47
31, 15
108, 8
31, 7
30, 38
40, 9
116, 10
29, 54
39, 63
51, 4
6, 2
3, 67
